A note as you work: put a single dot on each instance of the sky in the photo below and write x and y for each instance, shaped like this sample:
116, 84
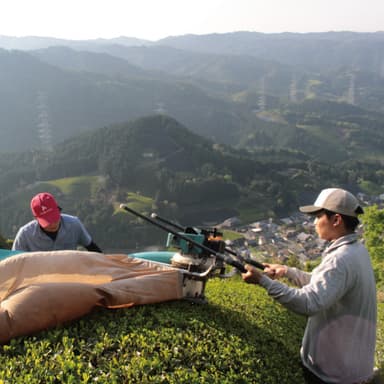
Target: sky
156, 19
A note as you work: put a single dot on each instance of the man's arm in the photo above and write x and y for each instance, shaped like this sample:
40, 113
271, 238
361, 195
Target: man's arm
326, 287
296, 276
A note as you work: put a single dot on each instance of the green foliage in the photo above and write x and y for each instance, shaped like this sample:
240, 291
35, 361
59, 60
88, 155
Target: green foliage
185, 177
240, 336
80, 186
370, 187
139, 202
294, 261
379, 359
4, 243
232, 235
373, 220
311, 264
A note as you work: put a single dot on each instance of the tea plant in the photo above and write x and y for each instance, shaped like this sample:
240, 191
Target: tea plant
240, 336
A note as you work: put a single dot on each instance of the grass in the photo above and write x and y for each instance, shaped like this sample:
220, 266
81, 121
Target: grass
240, 336
232, 235
139, 202
250, 215
79, 185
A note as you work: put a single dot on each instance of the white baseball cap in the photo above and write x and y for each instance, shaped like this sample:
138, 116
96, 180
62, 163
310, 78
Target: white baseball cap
335, 200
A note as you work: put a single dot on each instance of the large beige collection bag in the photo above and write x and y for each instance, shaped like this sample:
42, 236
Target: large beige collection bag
39, 290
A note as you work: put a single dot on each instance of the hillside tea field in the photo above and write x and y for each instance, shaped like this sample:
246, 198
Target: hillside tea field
240, 336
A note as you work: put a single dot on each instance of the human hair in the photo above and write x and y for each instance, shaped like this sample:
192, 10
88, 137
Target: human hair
350, 222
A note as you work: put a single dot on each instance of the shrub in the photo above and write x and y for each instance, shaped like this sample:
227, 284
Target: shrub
240, 336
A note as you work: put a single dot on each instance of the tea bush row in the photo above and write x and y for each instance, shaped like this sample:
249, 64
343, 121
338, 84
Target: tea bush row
240, 336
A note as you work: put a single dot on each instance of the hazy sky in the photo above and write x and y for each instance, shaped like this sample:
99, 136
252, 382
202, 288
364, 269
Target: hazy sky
155, 19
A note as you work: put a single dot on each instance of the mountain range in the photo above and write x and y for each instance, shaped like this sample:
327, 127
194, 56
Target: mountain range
227, 87
156, 164
198, 127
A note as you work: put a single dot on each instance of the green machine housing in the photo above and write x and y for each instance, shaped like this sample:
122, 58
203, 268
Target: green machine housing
210, 238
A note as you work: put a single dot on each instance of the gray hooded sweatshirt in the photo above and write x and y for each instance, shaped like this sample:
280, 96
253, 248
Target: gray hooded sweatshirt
339, 298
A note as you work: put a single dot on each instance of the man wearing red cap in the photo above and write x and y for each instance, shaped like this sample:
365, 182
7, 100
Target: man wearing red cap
52, 230
338, 297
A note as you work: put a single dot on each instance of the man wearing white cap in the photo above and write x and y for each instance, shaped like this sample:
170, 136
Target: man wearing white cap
338, 297
52, 230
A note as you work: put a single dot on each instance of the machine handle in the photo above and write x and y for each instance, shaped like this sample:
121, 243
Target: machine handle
220, 256
246, 260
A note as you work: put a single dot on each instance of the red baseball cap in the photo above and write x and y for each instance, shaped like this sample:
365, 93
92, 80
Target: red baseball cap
45, 209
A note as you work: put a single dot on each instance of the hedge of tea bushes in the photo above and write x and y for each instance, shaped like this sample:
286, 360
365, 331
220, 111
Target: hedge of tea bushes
239, 336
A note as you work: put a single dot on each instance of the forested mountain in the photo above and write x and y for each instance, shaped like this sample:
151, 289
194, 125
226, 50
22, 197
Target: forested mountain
157, 164
28, 43
325, 130
231, 88
198, 127
93, 62
42, 104
345, 80
321, 51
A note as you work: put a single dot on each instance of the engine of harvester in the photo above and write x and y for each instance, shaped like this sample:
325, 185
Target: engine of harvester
200, 264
